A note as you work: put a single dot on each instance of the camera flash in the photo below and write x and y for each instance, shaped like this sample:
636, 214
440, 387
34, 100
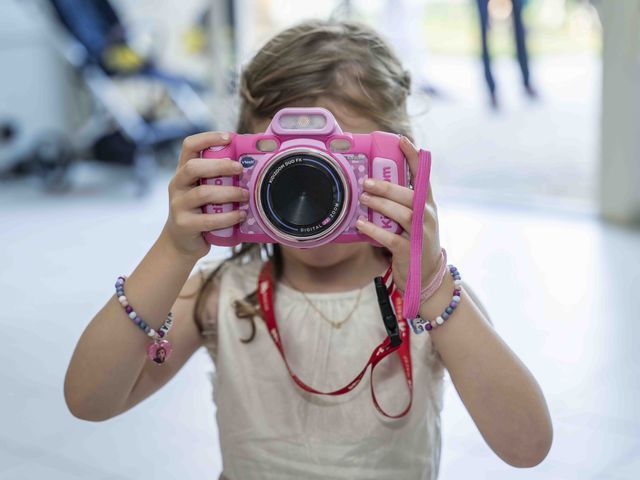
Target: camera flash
288, 121
303, 121
318, 121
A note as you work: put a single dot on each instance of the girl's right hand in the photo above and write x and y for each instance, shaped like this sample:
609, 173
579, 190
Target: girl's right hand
186, 221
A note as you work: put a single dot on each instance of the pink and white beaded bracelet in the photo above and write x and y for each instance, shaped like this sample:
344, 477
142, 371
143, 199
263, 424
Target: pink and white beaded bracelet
420, 325
428, 291
160, 349
435, 283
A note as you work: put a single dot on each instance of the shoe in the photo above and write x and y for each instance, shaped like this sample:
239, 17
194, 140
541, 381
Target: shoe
531, 92
494, 101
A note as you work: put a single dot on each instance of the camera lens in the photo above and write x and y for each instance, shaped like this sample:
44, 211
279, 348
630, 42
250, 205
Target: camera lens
302, 195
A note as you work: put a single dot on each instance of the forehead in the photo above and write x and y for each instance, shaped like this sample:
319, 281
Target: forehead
348, 120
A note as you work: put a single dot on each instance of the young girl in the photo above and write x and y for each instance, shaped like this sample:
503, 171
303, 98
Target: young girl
325, 303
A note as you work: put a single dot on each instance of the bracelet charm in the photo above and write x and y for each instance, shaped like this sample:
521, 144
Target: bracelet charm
420, 325
160, 349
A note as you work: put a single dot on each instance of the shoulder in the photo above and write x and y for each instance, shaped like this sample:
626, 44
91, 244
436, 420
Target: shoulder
208, 265
222, 280
235, 273
204, 285
222, 277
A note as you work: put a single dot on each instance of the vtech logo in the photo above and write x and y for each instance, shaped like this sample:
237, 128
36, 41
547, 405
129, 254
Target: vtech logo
247, 162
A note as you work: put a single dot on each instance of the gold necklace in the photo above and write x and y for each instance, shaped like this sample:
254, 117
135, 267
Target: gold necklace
334, 324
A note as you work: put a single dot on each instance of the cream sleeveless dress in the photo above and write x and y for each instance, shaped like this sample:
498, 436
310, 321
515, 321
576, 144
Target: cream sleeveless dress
271, 429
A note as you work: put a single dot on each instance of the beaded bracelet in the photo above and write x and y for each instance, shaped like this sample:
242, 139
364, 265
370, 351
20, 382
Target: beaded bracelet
160, 349
419, 325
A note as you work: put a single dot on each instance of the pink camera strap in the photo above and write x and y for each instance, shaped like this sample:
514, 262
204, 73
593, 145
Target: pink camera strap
411, 299
411, 302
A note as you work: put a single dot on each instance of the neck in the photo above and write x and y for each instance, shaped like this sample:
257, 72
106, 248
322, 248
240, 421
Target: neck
355, 271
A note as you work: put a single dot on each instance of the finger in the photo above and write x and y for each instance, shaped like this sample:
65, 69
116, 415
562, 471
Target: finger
218, 194
197, 168
395, 243
215, 221
388, 208
194, 144
411, 154
205, 222
392, 191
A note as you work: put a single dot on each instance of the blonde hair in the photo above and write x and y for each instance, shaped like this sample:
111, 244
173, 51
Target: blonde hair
345, 62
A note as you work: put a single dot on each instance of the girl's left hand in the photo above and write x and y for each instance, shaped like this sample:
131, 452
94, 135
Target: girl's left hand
395, 202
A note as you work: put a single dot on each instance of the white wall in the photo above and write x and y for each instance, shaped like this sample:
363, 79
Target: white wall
620, 127
36, 83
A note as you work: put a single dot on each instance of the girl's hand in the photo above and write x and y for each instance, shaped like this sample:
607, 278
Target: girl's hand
395, 202
186, 220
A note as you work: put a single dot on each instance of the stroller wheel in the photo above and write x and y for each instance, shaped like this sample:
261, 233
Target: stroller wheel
52, 157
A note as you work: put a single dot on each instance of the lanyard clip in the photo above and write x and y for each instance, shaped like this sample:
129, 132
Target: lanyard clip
388, 316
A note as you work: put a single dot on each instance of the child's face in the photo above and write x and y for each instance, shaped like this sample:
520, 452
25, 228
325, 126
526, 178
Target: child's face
333, 253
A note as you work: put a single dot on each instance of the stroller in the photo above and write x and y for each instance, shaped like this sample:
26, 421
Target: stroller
93, 39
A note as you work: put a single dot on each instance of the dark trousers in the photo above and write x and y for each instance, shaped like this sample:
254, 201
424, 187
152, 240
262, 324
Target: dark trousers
521, 45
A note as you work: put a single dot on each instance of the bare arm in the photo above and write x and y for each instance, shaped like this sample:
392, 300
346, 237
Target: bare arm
497, 389
476, 300
500, 393
185, 337
109, 371
111, 353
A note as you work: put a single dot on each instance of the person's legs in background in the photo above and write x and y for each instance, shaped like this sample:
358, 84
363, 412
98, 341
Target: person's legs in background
521, 46
483, 14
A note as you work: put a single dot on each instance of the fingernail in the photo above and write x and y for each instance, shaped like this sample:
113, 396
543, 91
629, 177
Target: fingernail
365, 197
245, 194
361, 221
243, 214
224, 136
369, 183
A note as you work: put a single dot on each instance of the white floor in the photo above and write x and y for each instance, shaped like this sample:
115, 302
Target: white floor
561, 288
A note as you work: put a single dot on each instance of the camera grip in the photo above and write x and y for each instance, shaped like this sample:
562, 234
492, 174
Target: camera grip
223, 236
386, 170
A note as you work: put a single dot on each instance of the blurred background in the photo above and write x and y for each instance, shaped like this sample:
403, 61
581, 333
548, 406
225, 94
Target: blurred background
532, 112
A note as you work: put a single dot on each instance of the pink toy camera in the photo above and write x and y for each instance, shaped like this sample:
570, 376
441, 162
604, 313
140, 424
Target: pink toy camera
304, 177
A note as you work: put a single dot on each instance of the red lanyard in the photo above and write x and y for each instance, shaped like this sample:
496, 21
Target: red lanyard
265, 297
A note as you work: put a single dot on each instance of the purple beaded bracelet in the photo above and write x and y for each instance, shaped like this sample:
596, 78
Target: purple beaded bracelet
419, 325
160, 349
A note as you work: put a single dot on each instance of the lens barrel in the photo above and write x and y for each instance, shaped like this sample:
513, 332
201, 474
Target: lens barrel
303, 194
